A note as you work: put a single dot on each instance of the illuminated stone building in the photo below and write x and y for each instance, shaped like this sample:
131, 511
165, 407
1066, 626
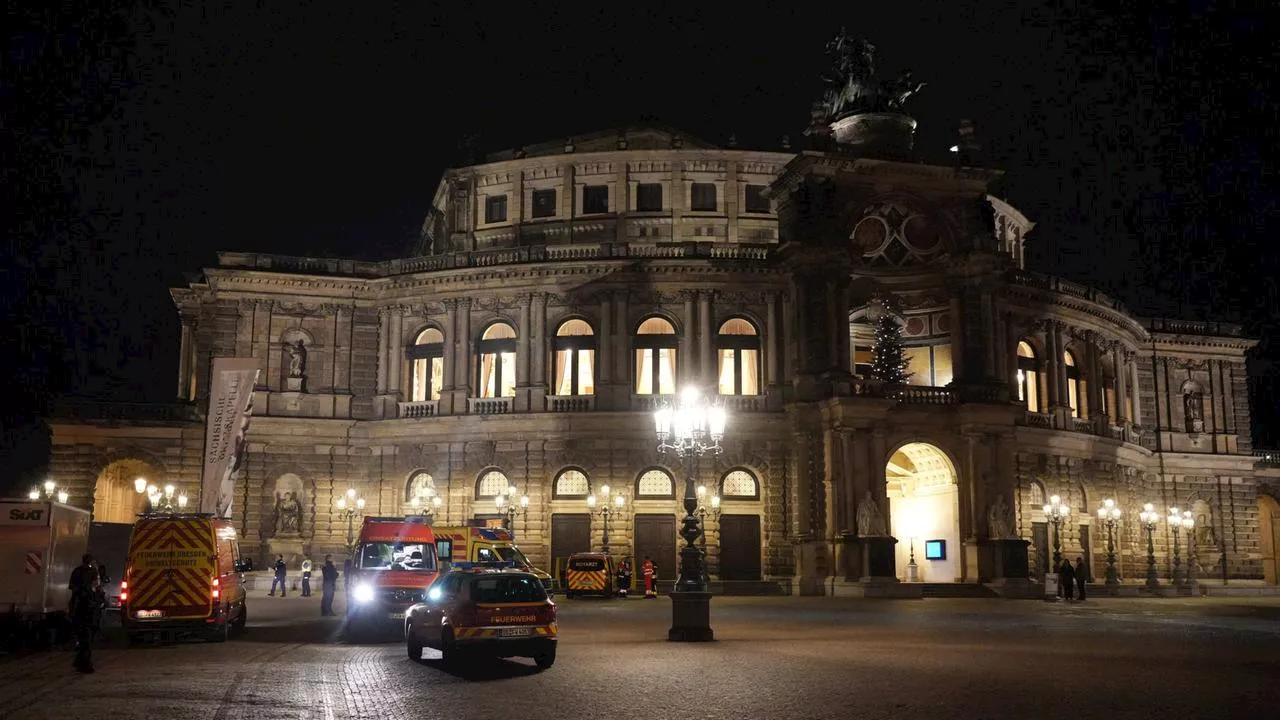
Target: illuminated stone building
559, 293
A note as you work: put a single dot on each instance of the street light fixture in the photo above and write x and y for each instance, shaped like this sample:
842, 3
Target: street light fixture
1175, 523
606, 510
50, 492
510, 509
1149, 517
1193, 565
349, 506
1057, 512
1109, 514
425, 504
690, 428
167, 501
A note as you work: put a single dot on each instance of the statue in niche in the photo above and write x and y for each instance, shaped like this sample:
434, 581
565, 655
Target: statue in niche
288, 513
1000, 521
870, 520
850, 85
1193, 409
297, 359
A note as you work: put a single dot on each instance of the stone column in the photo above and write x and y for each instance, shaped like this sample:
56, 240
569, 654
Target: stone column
1135, 387
538, 346
1064, 390
396, 351
788, 338
604, 346
958, 368
384, 332
1093, 367
523, 343
685, 369
707, 377
771, 345
622, 359
1121, 386
184, 362
1051, 362
450, 362
463, 348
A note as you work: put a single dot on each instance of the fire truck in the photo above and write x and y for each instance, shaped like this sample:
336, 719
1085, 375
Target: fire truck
392, 565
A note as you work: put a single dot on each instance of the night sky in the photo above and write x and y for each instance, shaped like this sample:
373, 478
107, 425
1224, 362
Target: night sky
140, 138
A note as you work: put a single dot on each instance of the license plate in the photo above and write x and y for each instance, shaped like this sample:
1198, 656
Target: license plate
515, 632
397, 616
148, 614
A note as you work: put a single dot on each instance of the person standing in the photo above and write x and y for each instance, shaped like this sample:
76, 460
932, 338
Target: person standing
328, 585
1067, 579
279, 578
1082, 576
85, 587
306, 577
649, 570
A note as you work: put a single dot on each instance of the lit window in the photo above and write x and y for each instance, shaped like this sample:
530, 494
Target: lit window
497, 366
421, 485
575, 355
572, 483
426, 356
655, 353
738, 345
740, 484
491, 484
655, 483
1073, 382
1028, 377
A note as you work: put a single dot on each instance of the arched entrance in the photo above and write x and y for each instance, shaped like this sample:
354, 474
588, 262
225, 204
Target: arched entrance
1269, 525
114, 497
924, 511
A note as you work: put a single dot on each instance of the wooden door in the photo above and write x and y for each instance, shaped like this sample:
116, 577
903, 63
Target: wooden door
656, 537
1040, 539
740, 547
1269, 527
570, 533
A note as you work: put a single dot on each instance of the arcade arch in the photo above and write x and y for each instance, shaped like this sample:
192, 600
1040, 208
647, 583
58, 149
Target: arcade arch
115, 499
924, 511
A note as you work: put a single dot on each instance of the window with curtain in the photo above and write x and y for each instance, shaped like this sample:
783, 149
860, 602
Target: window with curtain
572, 484
1073, 382
738, 346
497, 366
739, 484
655, 357
574, 347
1028, 377
491, 484
426, 363
655, 482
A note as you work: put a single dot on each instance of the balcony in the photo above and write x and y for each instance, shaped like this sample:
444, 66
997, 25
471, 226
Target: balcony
418, 409
1038, 420
1267, 458
571, 403
650, 402
743, 403
489, 406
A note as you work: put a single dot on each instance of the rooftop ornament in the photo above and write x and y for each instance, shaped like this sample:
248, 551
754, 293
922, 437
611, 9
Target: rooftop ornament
851, 85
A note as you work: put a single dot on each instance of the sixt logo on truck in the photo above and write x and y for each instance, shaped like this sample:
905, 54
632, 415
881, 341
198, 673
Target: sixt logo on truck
26, 514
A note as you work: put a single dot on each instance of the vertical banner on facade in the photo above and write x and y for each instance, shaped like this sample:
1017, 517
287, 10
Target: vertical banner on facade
230, 406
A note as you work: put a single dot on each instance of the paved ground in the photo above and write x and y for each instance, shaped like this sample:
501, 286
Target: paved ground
787, 658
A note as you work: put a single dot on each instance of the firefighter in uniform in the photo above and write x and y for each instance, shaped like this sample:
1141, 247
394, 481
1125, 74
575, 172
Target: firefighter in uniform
649, 570
623, 583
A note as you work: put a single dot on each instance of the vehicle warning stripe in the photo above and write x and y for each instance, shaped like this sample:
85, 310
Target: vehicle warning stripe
586, 579
473, 633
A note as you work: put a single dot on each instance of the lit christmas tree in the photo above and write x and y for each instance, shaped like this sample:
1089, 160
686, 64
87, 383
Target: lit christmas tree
889, 362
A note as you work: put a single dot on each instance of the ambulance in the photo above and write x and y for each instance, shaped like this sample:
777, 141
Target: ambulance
393, 564
183, 575
484, 545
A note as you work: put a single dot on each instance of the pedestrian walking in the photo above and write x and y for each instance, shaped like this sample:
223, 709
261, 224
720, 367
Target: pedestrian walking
328, 585
85, 591
1067, 579
306, 577
1082, 576
279, 577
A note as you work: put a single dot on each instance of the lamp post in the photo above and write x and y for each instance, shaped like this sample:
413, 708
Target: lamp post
1149, 517
1057, 512
713, 509
349, 506
510, 509
1193, 564
607, 510
167, 500
425, 504
1175, 524
51, 492
689, 429
1109, 514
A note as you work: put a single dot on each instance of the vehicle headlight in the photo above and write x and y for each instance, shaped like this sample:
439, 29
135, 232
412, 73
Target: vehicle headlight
363, 594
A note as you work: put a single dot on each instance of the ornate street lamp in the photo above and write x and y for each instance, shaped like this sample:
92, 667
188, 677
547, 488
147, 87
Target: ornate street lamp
706, 508
1175, 523
349, 506
510, 509
607, 510
1193, 564
1149, 517
167, 500
1109, 514
1057, 512
689, 429
50, 492
425, 504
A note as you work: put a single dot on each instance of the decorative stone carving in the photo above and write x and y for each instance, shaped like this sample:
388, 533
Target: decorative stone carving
870, 519
1000, 521
297, 359
288, 514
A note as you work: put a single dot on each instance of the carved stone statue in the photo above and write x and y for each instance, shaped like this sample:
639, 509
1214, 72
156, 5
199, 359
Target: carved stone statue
850, 85
297, 359
1000, 520
288, 513
870, 520
1193, 406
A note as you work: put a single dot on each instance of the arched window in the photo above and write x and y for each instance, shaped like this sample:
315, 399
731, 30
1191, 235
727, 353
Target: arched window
491, 484
655, 483
1028, 377
575, 358
572, 484
739, 485
738, 345
655, 351
421, 485
1037, 494
497, 366
426, 358
1073, 382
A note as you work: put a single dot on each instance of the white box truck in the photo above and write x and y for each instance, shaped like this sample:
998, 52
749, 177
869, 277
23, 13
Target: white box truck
40, 544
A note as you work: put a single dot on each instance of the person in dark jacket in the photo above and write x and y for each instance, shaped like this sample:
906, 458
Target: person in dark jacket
328, 585
279, 578
1082, 576
1067, 579
86, 592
